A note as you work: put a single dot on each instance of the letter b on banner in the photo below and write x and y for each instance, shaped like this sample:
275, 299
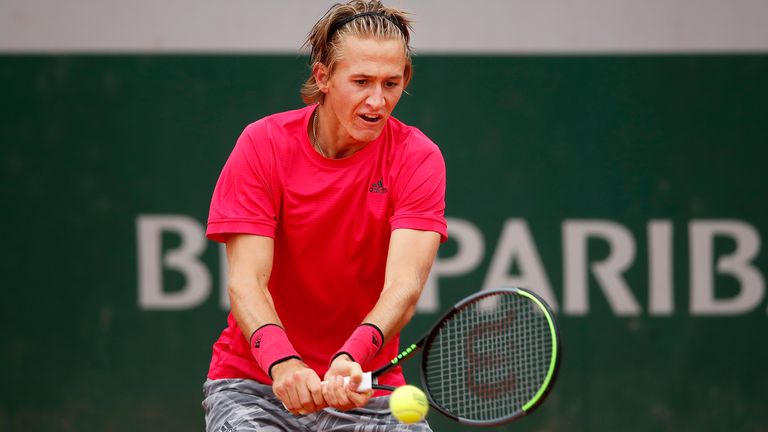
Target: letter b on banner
185, 259
738, 265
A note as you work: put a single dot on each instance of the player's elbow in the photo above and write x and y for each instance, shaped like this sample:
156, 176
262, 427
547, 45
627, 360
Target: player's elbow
408, 312
240, 288
235, 292
407, 295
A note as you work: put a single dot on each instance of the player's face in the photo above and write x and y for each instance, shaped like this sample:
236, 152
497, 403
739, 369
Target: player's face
364, 88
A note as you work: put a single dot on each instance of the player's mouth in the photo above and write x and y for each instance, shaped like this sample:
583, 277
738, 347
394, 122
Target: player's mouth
370, 118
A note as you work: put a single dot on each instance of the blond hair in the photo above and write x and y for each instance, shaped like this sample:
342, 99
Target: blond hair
359, 18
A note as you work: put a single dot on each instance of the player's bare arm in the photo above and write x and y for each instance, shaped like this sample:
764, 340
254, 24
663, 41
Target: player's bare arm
410, 257
250, 265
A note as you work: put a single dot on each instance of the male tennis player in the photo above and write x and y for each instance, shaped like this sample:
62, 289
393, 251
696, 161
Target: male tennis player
332, 215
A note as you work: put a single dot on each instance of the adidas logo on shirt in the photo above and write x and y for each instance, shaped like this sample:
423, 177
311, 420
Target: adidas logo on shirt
378, 187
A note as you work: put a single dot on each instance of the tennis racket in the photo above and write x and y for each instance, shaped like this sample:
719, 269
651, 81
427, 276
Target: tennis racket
491, 359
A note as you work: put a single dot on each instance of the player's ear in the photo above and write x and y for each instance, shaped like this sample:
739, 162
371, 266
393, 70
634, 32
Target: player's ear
322, 75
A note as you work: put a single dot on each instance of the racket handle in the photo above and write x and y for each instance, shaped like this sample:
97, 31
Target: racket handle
365, 385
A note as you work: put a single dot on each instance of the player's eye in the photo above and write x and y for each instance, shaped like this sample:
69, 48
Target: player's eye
391, 84
360, 81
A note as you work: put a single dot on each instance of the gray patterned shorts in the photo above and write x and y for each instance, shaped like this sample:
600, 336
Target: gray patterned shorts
240, 405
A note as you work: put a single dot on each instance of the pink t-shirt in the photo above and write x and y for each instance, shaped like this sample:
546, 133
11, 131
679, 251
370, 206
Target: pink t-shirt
331, 221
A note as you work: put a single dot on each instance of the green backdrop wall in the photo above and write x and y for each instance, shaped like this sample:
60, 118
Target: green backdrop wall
654, 151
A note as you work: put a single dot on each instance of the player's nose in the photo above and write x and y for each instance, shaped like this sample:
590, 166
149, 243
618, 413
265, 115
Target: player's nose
376, 99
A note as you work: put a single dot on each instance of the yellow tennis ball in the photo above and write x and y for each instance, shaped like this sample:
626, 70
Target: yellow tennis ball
408, 404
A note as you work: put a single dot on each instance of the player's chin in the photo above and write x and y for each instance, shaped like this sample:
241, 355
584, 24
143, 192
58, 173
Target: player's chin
367, 131
368, 134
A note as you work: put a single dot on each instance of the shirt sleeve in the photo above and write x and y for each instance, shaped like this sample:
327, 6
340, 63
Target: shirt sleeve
420, 194
246, 197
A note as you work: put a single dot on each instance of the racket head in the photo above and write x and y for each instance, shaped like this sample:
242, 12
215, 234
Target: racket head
492, 358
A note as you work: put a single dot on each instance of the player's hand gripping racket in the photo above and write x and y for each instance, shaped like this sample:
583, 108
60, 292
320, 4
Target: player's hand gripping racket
490, 360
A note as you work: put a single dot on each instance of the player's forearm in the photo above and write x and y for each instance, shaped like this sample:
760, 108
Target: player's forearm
250, 265
396, 306
251, 305
410, 258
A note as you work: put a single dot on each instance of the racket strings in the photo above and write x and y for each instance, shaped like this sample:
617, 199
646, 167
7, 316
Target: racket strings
490, 358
